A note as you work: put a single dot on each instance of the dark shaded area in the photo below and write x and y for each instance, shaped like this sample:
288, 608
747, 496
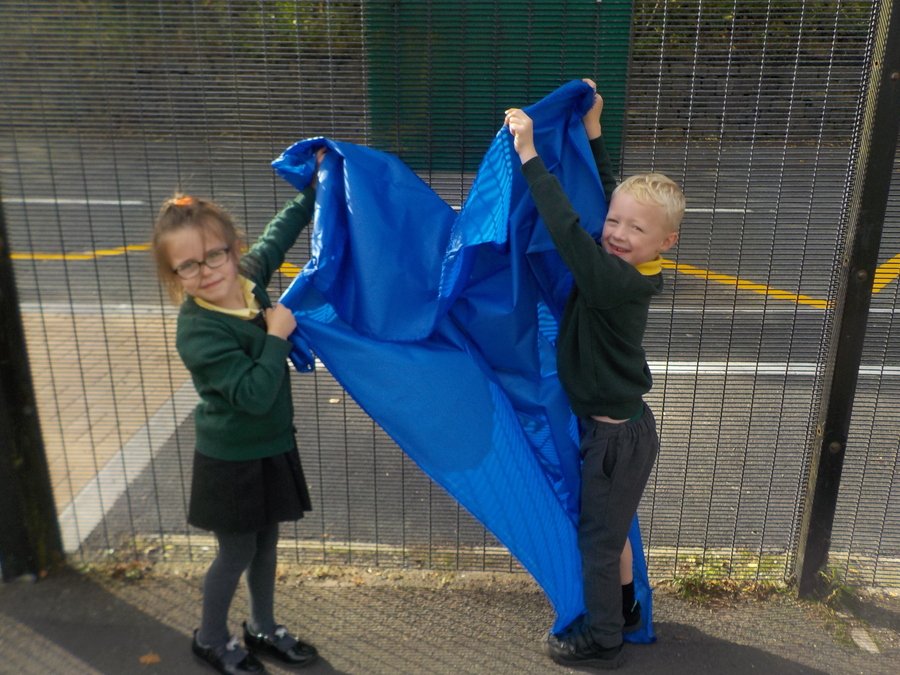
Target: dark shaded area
370, 623
29, 535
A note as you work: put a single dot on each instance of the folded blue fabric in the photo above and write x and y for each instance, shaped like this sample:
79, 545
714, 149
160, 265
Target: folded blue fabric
442, 327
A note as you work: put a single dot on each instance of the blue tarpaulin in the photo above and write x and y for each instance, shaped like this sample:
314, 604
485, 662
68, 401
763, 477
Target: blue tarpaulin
442, 327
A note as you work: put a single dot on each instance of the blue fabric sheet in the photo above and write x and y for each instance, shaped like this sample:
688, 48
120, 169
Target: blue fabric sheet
442, 327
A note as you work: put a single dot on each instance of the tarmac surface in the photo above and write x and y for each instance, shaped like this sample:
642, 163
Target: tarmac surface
132, 618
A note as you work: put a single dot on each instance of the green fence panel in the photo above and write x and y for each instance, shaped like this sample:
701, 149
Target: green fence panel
440, 74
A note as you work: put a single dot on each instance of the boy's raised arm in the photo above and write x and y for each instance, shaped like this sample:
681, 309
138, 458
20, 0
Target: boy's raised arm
593, 129
591, 119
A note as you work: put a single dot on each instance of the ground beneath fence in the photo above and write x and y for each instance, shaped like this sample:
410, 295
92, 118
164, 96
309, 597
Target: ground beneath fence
131, 618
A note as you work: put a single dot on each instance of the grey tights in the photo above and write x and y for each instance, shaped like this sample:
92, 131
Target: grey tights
255, 552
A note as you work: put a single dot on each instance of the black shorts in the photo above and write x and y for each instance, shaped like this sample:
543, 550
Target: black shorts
246, 496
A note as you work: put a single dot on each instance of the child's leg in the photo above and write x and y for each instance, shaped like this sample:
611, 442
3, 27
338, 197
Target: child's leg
631, 608
261, 634
236, 550
616, 463
626, 564
601, 531
261, 581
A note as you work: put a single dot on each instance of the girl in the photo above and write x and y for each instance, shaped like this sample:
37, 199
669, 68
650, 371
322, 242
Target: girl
247, 475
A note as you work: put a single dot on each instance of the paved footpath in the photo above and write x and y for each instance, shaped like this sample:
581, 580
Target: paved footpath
382, 621
96, 388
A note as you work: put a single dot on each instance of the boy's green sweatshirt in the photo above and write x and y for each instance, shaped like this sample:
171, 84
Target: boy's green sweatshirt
600, 357
240, 372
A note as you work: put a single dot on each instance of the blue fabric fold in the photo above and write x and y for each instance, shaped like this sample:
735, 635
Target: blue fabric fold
442, 327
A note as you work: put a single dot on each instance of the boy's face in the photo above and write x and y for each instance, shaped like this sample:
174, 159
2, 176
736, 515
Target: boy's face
636, 232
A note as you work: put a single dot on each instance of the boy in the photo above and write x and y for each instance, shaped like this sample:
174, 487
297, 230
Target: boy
603, 368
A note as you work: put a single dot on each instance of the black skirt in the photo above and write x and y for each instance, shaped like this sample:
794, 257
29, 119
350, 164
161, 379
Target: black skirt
247, 496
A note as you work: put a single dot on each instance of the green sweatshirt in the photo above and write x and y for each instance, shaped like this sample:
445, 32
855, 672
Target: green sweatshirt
600, 358
240, 372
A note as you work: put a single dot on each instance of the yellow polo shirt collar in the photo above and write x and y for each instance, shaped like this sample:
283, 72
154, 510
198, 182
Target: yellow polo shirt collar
651, 267
248, 312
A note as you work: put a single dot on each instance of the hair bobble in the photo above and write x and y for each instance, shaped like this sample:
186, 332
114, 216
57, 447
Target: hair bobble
186, 200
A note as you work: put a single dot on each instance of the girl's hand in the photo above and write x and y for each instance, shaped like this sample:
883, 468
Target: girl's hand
522, 129
320, 155
591, 119
280, 321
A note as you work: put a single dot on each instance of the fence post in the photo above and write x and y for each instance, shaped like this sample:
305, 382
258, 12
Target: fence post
30, 541
876, 142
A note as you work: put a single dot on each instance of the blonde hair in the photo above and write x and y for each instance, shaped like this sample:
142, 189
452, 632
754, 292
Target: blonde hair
659, 190
183, 211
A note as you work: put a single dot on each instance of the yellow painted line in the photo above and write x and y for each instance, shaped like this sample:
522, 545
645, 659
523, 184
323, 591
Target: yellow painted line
886, 273
743, 284
85, 255
289, 270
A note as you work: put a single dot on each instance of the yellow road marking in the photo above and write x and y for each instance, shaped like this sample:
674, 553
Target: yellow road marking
86, 255
885, 274
743, 284
287, 269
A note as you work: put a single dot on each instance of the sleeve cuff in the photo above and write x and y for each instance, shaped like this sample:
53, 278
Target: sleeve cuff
597, 145
281, 347
533, 169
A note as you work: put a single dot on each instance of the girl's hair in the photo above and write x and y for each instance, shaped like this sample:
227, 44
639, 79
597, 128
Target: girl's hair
181, 211
657, 189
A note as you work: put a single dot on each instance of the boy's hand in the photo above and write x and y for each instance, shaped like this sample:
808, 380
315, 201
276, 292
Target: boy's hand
280, 321
522, 129
591, 119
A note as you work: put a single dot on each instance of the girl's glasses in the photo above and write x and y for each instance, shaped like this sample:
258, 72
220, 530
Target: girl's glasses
191, 268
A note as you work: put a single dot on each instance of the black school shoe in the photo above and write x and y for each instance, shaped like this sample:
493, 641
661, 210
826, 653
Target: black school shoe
228, 659
281, 645
576, 650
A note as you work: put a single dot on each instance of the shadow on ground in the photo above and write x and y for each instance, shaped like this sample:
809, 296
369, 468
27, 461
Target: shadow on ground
369, 621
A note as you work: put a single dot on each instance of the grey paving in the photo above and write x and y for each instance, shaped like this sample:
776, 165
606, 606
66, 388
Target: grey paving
395, 621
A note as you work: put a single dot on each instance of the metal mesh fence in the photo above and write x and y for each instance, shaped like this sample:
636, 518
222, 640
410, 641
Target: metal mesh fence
867, 533
108, 107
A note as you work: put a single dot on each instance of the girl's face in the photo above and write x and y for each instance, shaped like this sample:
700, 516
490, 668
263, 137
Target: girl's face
217, 285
